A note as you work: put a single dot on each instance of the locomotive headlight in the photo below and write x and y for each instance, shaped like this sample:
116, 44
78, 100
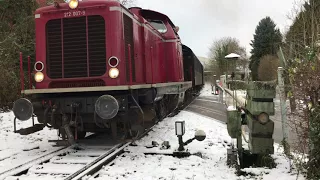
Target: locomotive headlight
114, 73
73, 4
38, 77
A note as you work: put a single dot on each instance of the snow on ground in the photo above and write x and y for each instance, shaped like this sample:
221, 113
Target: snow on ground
241, 93
135, 164
206, 90
16, 149
143, 162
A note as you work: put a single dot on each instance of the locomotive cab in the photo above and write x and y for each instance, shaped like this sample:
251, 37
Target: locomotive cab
158, 25
161, 23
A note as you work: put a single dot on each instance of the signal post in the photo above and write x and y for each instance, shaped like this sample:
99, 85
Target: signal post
255, 112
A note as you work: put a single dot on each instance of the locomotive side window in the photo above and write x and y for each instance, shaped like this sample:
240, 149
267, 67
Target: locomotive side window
159, 25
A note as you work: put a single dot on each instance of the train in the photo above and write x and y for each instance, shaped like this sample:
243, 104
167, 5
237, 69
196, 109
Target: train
102, 67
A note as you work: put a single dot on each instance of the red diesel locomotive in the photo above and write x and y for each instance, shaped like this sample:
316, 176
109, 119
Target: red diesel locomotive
102, 67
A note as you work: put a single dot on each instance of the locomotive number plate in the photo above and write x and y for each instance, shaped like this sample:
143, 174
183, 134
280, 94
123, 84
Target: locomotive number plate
74, 13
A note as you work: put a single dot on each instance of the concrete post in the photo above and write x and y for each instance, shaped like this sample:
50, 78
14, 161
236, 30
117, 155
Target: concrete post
235, 95
283, 104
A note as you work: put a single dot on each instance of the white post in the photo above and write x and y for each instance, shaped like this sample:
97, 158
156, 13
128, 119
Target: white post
283, 104
235, 97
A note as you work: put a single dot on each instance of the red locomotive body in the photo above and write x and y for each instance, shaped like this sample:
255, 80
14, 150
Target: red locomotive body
75, 45
100, 63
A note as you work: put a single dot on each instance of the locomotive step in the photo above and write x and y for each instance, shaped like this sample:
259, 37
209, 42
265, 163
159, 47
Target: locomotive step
30, 130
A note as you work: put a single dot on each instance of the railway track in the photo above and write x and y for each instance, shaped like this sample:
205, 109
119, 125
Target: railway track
69, 163
25, 166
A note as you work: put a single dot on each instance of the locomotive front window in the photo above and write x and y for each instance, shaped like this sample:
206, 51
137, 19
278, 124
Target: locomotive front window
159, 25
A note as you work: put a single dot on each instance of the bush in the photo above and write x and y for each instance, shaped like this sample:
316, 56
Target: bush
236, 84
16, 35
304, 76
268, 67
314, 162
9, 87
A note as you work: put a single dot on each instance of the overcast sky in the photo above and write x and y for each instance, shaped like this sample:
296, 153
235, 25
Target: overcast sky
202, 21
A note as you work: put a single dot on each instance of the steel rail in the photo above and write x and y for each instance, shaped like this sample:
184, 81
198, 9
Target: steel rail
25, 166
106, 158
99, 162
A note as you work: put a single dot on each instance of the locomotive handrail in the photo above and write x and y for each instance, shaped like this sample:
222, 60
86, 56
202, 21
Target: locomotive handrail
22, 83
21, 73
29, 73
130, 63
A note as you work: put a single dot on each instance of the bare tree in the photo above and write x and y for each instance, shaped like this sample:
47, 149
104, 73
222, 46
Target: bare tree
219, 49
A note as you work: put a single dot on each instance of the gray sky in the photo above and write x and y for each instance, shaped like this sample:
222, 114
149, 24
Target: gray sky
202, 21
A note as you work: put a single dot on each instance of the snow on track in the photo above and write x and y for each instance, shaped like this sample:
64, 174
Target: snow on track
66, 163
16, 149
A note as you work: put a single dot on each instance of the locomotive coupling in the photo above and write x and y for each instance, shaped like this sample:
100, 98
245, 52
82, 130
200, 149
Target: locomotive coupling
107, 107
23, 109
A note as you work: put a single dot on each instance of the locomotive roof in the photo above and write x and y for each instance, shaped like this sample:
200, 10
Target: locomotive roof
65, 6
113, 2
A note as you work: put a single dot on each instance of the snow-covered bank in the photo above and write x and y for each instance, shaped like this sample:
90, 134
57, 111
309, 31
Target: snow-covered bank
136, 165
16, 149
